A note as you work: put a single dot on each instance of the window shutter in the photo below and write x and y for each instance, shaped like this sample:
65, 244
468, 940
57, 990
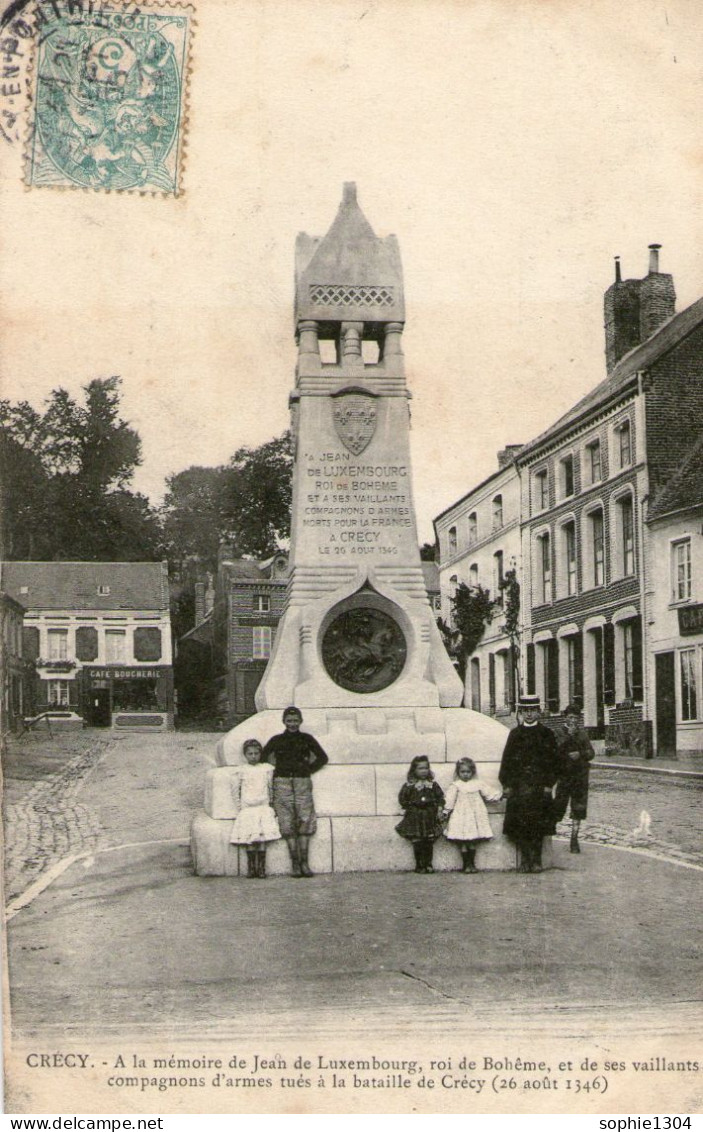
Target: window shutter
609, 663
491, 683
553, 675
637, 682
531, 670
86, 642
147, 643
578, 671
30, 642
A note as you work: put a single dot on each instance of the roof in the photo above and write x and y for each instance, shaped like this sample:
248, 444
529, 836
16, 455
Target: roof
202, 633
247, 570
669, 334
684, 491
75, 585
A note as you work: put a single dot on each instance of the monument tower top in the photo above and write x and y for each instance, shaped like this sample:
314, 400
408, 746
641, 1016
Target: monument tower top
349, 275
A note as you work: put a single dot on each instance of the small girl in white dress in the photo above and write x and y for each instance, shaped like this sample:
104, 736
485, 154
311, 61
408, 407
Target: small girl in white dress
255, 823
468, 818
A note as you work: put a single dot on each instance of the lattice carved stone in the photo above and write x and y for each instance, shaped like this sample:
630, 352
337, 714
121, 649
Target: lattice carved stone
339, 296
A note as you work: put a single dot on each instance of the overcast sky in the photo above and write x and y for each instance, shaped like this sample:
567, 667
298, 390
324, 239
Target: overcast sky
514, 148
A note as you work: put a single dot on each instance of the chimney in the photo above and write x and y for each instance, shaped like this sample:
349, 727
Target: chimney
508, 454
199, 602
635, 308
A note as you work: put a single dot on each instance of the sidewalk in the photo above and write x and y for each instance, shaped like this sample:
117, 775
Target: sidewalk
128, 939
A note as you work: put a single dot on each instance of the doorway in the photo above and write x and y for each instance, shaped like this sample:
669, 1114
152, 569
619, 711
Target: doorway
665, 704
99, 713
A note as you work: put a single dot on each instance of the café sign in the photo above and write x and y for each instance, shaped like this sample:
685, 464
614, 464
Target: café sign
690, 620
122, 673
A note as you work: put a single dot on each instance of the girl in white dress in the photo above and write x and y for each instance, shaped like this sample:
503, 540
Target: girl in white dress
468, 818
255, 823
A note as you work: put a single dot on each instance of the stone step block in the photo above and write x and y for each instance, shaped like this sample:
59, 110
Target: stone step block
213, 855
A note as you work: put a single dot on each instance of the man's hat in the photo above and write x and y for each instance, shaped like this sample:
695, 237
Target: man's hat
529, 702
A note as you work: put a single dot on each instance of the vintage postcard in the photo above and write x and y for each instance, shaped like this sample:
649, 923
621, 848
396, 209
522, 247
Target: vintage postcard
352, 556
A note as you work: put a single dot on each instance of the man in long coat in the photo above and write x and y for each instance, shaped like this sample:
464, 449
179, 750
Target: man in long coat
528, 771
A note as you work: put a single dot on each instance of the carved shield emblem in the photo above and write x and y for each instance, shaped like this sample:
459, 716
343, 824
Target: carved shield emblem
355, 421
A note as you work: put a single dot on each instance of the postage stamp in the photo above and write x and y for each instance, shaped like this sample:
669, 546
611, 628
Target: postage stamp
109, 97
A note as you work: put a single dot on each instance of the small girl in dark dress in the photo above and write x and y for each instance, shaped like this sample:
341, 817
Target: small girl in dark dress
422, 799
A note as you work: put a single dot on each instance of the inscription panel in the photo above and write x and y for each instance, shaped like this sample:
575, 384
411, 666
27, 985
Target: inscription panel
354, 507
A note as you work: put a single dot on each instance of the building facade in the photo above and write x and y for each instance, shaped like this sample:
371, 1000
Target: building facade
603, 530
249, 602
479, 542
99, 636
674, 552
15, 695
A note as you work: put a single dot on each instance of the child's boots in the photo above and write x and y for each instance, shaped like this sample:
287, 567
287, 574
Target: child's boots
468, 856
252, 863
261, 864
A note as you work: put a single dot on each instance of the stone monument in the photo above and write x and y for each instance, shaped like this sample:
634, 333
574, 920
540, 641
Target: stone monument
357, 649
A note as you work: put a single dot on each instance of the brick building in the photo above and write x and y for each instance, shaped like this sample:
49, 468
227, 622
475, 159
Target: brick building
479, 541
248, 604
592, 579
15, 689
99, 636
586, 482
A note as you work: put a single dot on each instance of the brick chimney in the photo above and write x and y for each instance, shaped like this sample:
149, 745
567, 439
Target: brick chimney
508, 454
199, 602
635, 308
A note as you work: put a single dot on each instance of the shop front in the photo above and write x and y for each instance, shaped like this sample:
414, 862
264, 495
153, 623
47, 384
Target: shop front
128, 698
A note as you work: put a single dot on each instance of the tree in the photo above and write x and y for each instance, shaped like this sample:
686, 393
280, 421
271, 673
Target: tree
66, 472
255, 502
428, 552
472, 611
191, 519
511, 624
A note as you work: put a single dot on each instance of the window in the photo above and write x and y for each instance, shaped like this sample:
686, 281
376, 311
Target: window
632, 658
497, 512
452, 540
498, 576
541, 490
627, 535
594, 466
569, 552
681, 570
689, 701
57, 693
624, 444
115, 644
58, 644
473, 528
544, 567
597, 545
262, 603
567, 476
103, 591
261, 642
147, 643
473, 575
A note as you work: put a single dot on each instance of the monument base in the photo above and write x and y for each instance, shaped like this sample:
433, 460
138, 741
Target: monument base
356, 794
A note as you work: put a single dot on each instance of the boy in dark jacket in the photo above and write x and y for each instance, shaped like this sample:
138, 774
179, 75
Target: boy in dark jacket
575, 753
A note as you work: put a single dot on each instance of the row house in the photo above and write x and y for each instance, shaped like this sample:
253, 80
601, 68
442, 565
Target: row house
609, 541
586, 485
674, 607
99, 637
15, 689
479, 542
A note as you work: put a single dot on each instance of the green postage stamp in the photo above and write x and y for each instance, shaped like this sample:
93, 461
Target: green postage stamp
109, 97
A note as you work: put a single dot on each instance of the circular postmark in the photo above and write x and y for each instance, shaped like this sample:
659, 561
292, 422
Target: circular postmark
364, 649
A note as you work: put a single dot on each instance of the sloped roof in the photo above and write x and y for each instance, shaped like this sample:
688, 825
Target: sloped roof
75, 585
669, 334
248, 570
684, 491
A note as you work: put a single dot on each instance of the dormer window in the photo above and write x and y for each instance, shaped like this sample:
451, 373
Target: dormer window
103, 591
24, 589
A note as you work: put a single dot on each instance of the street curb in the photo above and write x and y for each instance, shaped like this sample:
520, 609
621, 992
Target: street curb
638, 768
